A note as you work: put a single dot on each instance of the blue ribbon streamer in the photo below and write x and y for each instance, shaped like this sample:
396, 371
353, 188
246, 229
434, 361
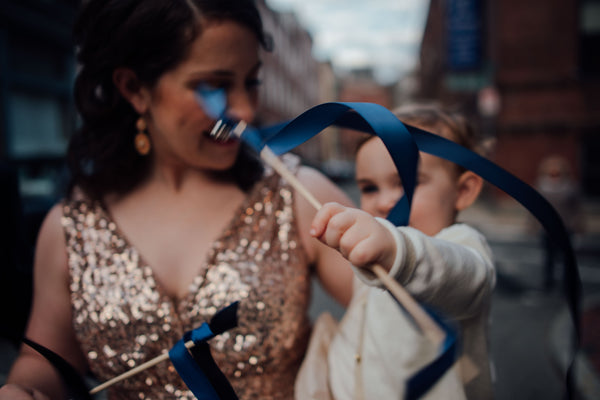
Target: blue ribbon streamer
418, 384
367, 117
196, 366
186, 366
403, 143
377, 120
436, 145
212, 100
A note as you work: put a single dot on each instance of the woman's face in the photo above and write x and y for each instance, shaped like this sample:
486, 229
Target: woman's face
225, 56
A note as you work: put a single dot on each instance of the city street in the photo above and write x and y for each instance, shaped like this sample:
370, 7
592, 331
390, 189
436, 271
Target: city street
528, 333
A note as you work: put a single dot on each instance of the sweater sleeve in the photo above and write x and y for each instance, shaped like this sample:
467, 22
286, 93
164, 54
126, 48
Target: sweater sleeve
452, 272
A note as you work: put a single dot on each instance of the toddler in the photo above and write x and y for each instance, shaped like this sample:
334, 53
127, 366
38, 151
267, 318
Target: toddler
446, 265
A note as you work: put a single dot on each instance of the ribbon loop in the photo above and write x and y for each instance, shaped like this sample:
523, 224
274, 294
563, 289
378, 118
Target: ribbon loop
367, 117
196, 365
404, 143
371, 119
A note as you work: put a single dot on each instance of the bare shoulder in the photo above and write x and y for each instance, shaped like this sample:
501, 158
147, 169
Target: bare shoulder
51, 240
50, 270
51, 301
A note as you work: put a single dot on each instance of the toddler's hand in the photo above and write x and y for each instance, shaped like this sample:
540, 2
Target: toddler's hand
356, 234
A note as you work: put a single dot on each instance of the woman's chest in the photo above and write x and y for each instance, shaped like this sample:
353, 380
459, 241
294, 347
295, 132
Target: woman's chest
175, 238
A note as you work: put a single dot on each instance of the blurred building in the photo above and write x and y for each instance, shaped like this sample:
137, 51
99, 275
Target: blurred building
36, 75
332, 161
36, 119
290, 75
360, 86
295, 81
527, 72
406, 89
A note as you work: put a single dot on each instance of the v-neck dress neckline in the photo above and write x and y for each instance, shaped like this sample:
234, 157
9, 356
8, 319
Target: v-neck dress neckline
206, 260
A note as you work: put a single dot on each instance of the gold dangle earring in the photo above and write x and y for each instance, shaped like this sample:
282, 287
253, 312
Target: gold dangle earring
142, 141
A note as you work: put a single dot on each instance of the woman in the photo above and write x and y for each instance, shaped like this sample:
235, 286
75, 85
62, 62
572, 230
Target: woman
164, 226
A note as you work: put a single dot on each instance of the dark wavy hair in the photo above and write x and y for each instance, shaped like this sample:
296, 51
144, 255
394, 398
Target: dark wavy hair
150, 37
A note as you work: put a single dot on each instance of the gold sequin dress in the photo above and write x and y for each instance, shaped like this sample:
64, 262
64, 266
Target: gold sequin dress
122, 318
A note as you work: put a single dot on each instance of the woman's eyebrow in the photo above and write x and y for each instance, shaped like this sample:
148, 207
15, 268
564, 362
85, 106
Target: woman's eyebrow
225, 73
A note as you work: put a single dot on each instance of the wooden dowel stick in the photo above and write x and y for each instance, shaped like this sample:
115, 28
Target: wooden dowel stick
427, 325
136, 370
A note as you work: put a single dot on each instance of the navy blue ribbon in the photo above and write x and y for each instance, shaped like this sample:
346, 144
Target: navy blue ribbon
403, 143
281, 141
378, 120
284, 140
186, 366
196, 366
418, 384
368, 117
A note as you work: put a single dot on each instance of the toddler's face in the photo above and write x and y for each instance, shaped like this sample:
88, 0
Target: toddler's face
434, 200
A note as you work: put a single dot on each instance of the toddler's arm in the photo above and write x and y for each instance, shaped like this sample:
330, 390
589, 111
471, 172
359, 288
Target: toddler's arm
452, 271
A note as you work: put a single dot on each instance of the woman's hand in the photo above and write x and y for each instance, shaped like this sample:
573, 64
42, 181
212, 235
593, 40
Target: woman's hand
12, 391
355, 234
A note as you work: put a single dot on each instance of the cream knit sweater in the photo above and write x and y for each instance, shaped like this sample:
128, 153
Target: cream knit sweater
452, 273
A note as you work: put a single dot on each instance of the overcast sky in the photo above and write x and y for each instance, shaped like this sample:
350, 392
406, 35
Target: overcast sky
384, 34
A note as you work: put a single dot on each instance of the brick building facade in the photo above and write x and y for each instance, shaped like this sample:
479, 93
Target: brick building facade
541, 58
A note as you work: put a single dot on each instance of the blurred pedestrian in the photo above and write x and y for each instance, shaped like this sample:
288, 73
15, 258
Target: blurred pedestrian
555, 182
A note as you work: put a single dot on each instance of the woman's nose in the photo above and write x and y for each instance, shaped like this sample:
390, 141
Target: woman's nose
241, 105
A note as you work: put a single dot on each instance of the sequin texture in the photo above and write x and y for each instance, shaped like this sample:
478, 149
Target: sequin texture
122, 319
